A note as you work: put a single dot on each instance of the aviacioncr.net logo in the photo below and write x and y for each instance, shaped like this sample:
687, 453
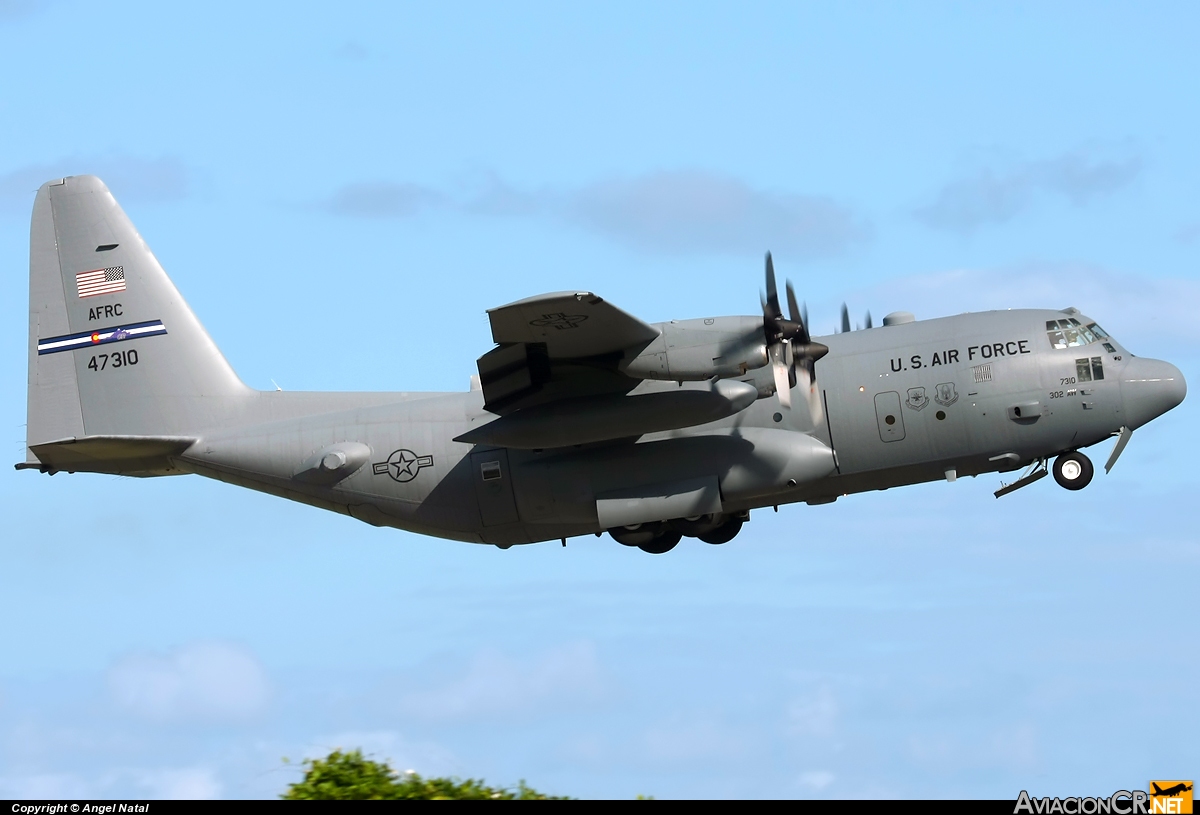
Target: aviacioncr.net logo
1164, 798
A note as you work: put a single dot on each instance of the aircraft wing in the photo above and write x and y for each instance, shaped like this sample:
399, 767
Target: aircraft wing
571, 324
559, 346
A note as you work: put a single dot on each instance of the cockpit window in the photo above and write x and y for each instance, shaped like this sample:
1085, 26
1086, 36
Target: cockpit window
1071, 333
1063, 335
1086, 332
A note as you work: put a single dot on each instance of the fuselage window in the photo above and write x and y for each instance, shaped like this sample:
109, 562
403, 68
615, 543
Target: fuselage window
1087, 370
1108, 347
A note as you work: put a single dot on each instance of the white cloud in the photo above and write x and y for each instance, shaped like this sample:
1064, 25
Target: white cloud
997, 196
381, 199
816, 780
205, 681
689, 211
497, 685
19, 9
670, 211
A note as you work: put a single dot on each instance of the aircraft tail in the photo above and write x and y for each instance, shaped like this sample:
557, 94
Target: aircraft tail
117, 360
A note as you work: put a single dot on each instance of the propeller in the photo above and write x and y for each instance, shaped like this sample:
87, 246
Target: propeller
846, 320
790, 348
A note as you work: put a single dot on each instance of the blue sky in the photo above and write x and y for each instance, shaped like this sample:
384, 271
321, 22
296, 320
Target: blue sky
340, 192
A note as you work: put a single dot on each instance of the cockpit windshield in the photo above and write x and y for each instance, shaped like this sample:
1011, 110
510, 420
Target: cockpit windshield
1070, 333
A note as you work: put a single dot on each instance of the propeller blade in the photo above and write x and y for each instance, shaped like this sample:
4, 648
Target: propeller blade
772, 302
868, 319
804, 380
779, 369
798, 317
845, 319
782, 384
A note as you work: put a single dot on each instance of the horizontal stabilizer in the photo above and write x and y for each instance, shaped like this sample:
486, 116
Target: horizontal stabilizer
119, 455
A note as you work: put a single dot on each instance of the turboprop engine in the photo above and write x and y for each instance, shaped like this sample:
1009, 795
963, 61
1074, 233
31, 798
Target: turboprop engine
719, 347
696, 350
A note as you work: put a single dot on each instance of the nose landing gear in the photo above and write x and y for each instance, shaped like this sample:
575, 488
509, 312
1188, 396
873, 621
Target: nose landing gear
1073, 471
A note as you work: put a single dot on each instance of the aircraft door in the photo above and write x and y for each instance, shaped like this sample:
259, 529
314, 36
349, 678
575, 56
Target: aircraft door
493, 487
888, 416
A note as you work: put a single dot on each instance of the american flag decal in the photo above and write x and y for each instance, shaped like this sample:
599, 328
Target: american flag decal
101, 281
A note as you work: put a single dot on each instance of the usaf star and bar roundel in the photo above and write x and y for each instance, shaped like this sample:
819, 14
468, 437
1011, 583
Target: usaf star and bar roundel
402, 465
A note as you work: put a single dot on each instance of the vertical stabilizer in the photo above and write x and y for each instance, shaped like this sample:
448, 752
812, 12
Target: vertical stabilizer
113, 348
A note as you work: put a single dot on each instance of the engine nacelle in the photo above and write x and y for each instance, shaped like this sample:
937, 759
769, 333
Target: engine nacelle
694, 350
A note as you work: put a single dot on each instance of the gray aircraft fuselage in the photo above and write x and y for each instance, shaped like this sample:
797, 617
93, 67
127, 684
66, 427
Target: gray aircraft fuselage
903, 403
951, 386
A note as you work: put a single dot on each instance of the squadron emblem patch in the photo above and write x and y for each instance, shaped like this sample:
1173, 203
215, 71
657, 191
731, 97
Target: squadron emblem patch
947, 394
917, 400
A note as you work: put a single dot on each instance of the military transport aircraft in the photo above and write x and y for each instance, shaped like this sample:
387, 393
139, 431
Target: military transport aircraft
583, 419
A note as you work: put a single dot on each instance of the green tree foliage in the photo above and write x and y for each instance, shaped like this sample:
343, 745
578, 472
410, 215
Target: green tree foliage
352, 777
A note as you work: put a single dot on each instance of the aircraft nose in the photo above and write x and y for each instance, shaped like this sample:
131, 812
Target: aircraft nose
1149, 388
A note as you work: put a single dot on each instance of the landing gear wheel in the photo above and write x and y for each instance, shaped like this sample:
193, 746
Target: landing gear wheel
662, 543
636, 535
723, 533
699, 524
1073, 471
